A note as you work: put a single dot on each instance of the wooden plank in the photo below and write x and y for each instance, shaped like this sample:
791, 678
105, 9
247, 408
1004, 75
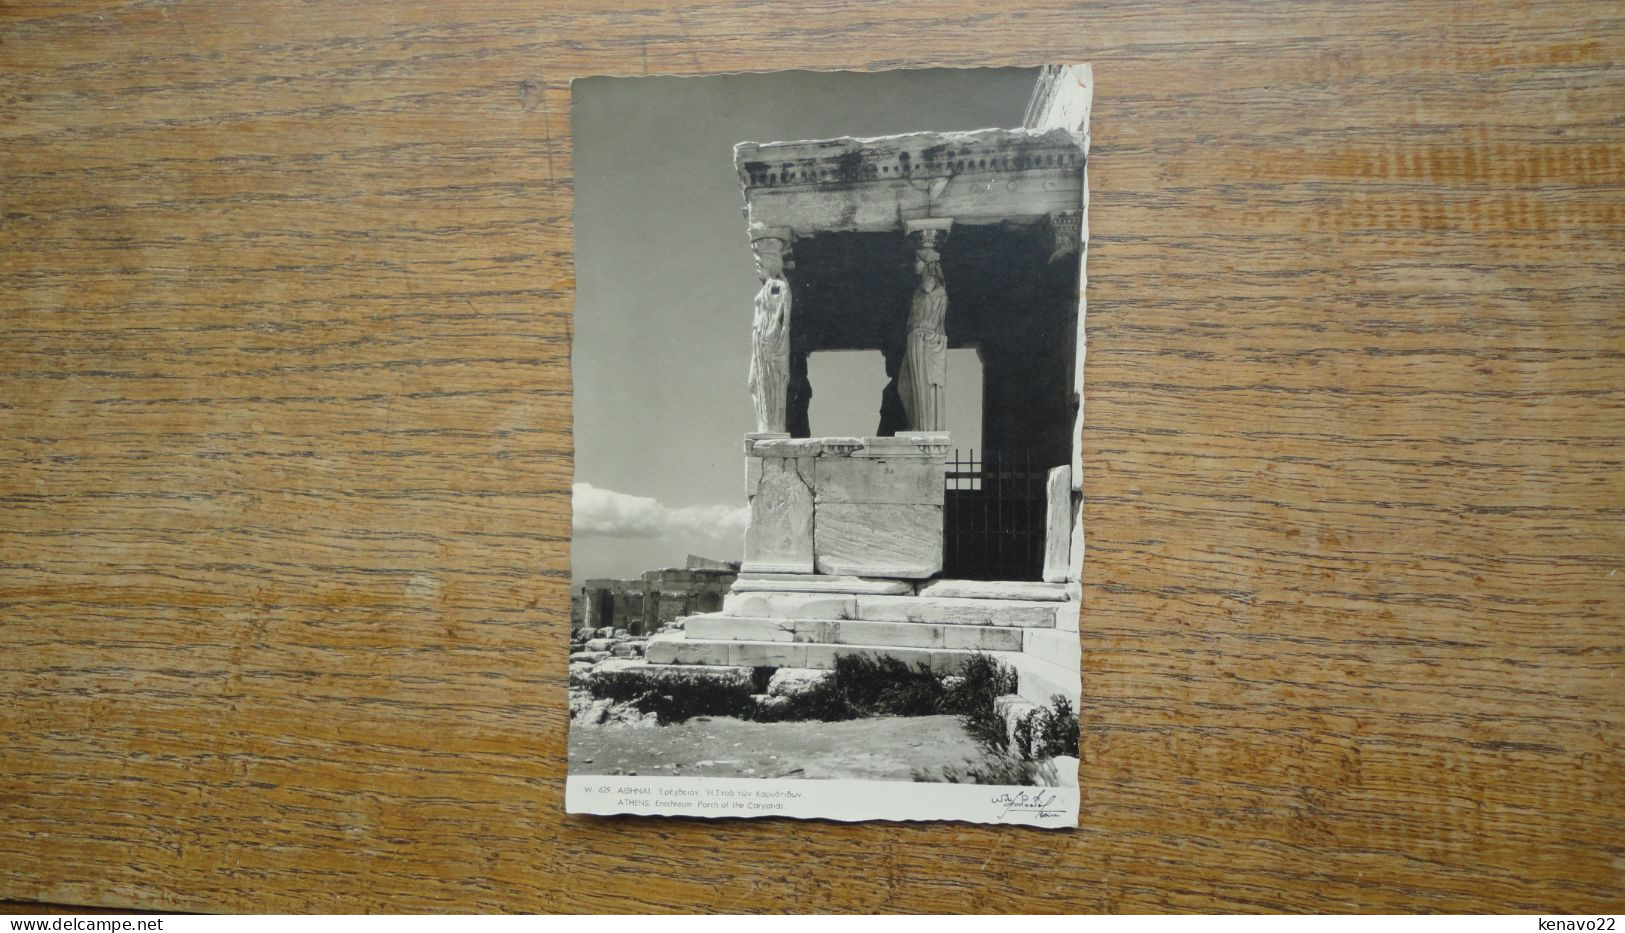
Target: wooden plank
285, 455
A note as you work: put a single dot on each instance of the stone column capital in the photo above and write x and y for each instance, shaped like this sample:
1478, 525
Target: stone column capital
773, 251
761, 232
928, 233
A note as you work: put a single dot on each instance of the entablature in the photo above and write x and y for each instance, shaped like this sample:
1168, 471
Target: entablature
847, 184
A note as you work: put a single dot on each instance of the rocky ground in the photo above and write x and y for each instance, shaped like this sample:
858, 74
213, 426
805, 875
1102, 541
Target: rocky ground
880, 749
610, 738
588, 649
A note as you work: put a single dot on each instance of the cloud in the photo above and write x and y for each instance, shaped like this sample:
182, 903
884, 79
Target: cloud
610, 514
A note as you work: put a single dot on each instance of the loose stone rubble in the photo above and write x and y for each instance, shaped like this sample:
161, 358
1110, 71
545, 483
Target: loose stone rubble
791, 682
605, 654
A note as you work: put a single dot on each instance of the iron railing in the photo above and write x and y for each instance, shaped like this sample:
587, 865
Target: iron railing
994, 516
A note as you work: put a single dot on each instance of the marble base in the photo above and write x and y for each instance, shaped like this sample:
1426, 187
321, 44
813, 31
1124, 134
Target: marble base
780, 536
859, 506
878, 540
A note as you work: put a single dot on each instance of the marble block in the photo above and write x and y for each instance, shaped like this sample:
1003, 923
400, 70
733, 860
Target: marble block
879, 540
845, 505
1075, 564
791, 605
780, 536
1058, 526
796, 583
994, 589
911, 481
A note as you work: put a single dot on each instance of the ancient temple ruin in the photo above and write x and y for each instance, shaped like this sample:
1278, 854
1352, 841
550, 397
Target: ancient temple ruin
644, 605
897, 542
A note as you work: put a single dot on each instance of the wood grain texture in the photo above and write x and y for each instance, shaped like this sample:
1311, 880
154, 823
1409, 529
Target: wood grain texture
285, 449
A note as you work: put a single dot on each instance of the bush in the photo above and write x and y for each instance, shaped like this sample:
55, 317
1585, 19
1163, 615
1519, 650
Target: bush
983, 681
823, 703
1040, 736
1048, 731
1004, 769
674, 697
1057, 732
885, 686
863, 686
860, 686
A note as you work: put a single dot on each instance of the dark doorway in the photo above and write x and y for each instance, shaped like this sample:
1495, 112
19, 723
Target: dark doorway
602, 612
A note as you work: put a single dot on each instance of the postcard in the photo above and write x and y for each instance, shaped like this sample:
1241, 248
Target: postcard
828, 365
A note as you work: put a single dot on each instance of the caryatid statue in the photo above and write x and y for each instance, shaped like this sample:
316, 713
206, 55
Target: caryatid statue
770, 331
922, 381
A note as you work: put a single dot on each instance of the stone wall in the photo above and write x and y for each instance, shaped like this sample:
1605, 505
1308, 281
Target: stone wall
660, 597
676, 592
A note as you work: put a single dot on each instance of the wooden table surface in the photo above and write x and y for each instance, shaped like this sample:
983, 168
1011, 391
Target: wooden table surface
285, 297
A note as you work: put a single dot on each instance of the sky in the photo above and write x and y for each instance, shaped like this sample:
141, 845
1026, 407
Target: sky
665, 282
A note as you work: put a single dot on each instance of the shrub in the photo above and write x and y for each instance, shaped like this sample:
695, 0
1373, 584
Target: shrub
982, 681
1004, 769
885, 686
860, 686
821, 703
863, 686
1057, 730
1048, 731
674, 697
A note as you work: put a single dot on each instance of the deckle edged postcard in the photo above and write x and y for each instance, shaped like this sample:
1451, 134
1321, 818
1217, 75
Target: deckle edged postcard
828, 369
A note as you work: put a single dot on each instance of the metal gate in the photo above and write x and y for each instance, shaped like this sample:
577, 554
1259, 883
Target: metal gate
994, 516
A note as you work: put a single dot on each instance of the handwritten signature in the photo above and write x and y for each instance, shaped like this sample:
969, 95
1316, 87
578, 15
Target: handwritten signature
1036, 802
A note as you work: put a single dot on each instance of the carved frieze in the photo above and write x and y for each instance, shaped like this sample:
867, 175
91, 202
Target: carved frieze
907, 156
843, 185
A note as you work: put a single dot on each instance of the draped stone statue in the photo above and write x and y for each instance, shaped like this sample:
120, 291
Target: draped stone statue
770, 334
922, 381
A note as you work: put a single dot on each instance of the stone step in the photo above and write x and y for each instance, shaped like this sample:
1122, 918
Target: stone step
853, 632
759, 582
995, 589
676, 648
818, 583
939, 610
959, 611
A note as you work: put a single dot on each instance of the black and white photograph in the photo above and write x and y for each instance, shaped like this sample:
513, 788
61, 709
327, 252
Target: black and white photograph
828, 367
